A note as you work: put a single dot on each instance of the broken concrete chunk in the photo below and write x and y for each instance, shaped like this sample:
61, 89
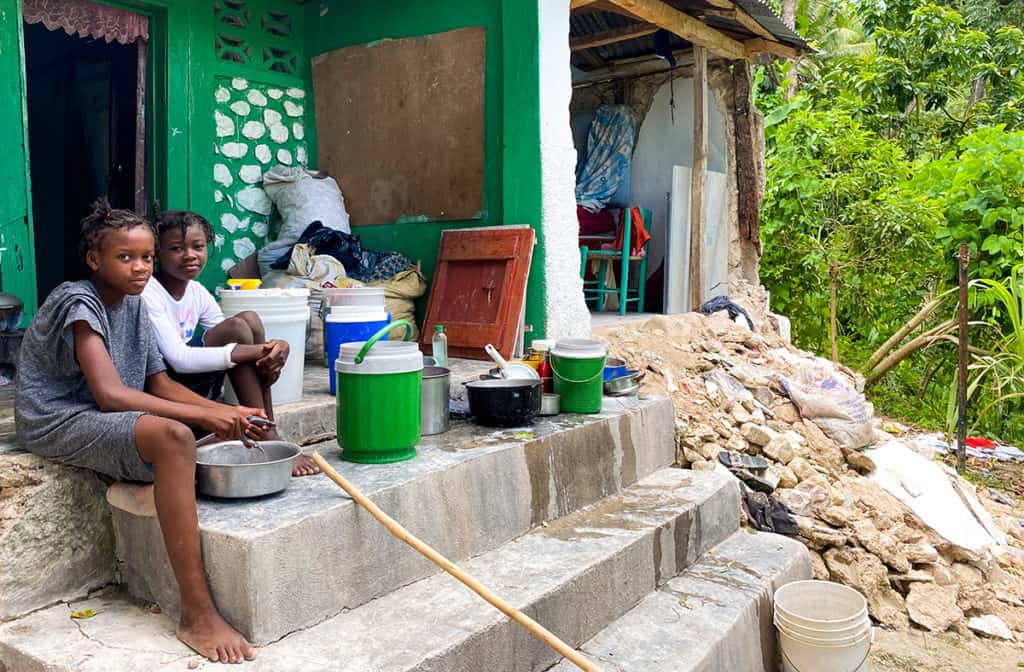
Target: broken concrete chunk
818, 566
756, 434
880, 544
802, 468
710, 450
787, 479
703, 465
780, 450
839, 516
990, 626
921, 554
819, 537
786, 412
741, 415
864, 572
933, 606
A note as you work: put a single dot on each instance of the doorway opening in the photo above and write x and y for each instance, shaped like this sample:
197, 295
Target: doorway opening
87, 139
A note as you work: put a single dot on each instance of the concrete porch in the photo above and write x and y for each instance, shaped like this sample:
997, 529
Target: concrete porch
578, 520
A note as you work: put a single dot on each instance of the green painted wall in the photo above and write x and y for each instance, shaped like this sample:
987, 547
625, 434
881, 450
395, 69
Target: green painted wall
511, 123
202, 48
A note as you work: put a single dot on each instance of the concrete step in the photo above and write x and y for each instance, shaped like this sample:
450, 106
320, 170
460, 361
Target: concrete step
715, 617
575, 576
287, 562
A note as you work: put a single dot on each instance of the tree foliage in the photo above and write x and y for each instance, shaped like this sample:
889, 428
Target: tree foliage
905, 138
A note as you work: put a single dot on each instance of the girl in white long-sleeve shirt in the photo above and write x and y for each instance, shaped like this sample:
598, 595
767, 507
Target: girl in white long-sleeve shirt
199, 345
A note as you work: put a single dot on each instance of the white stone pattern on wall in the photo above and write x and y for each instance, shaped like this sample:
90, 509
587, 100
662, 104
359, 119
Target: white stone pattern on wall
567, 314
258, 126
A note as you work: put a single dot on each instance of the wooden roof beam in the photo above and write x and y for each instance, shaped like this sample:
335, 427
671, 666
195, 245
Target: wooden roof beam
759, 45
611, 36
576, 4
685, 26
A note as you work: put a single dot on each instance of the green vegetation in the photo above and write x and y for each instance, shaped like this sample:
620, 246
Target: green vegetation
902, 137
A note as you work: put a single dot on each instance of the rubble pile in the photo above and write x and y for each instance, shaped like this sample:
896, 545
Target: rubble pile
733, 410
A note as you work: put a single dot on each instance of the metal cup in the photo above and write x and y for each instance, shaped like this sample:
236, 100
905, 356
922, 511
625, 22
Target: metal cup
434, 413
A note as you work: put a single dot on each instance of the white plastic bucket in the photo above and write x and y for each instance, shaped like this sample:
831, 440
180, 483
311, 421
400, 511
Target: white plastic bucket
823, 627
821, 605
285, 314
802, 656
365, 297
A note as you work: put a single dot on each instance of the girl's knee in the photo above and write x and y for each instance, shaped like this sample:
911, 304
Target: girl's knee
177, 442
236, 329
255, 324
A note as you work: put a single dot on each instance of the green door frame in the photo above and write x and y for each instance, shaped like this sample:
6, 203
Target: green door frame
158, 122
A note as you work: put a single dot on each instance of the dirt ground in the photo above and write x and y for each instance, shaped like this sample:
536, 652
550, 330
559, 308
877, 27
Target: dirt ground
917, 651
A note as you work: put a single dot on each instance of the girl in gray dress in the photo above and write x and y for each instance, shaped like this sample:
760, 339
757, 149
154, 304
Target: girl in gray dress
92, 391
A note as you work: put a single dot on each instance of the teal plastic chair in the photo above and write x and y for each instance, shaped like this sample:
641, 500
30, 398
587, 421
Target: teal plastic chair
597, 291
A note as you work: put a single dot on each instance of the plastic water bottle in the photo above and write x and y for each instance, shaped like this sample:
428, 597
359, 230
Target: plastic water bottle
439, 347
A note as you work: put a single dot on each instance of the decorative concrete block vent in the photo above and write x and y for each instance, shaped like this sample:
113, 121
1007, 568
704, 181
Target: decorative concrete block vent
56, 539
257, 125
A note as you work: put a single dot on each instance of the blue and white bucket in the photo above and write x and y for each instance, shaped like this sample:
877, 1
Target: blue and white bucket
350, 324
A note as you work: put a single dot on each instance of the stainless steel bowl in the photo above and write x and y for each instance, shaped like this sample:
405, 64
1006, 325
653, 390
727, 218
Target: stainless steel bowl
623, 385
230, 470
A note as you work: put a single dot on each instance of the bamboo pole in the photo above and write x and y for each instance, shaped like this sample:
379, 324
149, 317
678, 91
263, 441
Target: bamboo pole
925, 339
914, 323
395, 528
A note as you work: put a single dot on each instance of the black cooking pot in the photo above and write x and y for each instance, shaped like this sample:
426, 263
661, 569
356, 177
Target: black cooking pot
504, 403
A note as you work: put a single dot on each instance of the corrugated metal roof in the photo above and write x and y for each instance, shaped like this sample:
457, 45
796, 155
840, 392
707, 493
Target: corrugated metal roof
761, 12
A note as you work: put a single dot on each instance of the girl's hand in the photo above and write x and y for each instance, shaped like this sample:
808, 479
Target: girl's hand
274, 357
228, 422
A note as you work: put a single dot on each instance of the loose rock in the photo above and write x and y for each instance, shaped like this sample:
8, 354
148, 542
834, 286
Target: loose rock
990, 626
779, 449
756, 434
933, 606
862, 571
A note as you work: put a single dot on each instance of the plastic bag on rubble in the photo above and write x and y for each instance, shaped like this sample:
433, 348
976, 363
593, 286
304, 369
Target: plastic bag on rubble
825, 398
735, 310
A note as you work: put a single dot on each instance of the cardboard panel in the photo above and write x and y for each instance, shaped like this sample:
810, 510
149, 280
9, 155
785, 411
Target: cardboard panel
400, 125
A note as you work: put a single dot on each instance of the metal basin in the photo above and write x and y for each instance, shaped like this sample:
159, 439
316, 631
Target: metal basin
230, 470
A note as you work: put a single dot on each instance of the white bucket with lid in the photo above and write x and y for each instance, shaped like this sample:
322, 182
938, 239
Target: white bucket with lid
285, 315
367, 297
823, 627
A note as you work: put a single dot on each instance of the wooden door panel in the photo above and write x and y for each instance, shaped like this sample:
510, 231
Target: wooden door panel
479, 289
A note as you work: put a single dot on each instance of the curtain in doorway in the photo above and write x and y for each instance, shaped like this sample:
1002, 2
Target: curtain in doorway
88, 19
609, 152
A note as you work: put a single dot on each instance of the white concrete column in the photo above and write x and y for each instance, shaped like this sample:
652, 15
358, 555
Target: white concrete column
567, 314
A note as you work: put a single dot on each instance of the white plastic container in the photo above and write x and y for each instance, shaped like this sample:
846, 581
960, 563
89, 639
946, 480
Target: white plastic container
364, 297
823, 627
285, 314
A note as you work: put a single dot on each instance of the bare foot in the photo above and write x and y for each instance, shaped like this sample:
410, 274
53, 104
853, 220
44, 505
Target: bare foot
304, 466
209, 635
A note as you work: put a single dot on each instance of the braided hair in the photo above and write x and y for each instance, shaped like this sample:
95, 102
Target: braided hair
102, 219
180, 220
